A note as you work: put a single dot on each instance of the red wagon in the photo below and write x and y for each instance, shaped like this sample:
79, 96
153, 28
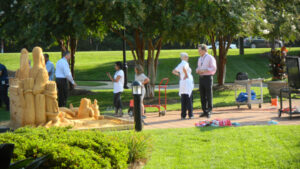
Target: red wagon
162, 108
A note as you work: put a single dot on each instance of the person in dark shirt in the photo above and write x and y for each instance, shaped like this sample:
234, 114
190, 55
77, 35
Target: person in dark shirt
4, 86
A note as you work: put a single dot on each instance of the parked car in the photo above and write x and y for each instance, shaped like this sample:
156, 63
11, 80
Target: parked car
232, 46
259, 42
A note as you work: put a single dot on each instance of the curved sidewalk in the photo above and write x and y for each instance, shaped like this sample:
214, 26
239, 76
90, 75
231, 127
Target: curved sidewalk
109, 85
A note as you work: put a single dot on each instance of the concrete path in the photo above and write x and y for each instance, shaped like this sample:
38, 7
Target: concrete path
109, 85
244, 116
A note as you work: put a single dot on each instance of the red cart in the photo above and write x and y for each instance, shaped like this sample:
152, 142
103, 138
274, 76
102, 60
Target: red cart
162, 85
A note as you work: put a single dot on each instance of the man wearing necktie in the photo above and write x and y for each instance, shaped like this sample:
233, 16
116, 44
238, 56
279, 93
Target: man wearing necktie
206, 69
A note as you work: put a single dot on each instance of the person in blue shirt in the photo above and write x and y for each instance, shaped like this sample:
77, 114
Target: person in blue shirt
4, 86
50, 67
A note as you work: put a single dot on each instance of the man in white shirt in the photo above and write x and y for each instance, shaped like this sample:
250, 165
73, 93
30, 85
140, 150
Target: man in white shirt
50, 67
206, 69
63, 75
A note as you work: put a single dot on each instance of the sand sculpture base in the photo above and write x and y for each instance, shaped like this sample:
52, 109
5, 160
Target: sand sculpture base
104, 123
33, 100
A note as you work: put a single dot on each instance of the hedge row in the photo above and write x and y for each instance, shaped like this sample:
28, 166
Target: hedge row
78, 149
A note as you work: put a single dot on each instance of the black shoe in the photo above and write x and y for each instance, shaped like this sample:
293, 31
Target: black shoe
182, 118
203, 115
192, 117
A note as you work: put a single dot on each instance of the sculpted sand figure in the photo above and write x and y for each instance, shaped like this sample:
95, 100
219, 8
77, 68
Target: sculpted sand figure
51, 101
95, 107
40, 77
29, 113
33, 98
85, 109
23, 72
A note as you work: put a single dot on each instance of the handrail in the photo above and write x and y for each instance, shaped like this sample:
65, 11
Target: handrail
165, 85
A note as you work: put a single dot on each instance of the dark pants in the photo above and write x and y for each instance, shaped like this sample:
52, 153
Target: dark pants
62, 91
4, 96
186, 104
117, 100
206, 93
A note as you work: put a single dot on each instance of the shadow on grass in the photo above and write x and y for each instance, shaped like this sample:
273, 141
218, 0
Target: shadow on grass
286, 117
4, 115
210, 128
255, 65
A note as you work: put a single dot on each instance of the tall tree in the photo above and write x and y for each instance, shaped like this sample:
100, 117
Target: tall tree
222, 21
63, 21
150, 22
282, 20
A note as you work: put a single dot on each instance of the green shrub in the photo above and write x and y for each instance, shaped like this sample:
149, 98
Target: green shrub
139, 144
68, 149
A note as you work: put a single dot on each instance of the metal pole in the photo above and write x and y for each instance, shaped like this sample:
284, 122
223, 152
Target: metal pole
241, 44
137, 112
125, 67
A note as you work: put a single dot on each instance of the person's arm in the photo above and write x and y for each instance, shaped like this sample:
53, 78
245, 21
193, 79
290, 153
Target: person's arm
146, 81
117, 79
68, 74
212, 65
177, 69
175, 72
0, 72
185, 74
52, 70
112, 79
198, 68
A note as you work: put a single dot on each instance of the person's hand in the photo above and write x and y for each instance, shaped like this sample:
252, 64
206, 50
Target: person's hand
185, 77
108, 74
74, 85
201, 71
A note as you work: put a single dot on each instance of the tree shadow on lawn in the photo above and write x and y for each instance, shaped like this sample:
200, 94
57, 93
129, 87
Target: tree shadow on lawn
295, 117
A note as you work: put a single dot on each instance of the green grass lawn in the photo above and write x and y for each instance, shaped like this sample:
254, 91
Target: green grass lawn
89, 83
226, 148
94, 65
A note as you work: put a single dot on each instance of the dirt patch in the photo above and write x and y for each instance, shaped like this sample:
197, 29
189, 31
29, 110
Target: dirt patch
137, 165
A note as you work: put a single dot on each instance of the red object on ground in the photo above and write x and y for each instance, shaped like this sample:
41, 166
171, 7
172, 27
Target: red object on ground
274, 102
159, 105
131, 104
288, 110
224, 122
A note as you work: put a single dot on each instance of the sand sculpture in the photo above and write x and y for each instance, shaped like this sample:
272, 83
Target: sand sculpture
33, 97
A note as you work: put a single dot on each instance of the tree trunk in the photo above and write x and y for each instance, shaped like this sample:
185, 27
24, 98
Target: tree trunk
2, 46
273, 43
222, 60
152, 63
73, 46
62, 45
241, 45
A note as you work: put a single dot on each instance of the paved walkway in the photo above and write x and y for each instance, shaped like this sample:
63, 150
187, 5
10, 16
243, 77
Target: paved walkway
109, 85
244, 116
